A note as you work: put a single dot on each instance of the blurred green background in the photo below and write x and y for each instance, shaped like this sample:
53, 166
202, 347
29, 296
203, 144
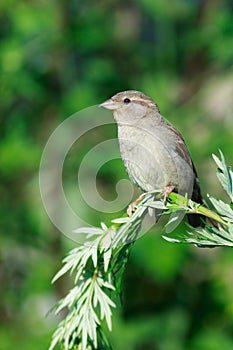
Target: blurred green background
58, 57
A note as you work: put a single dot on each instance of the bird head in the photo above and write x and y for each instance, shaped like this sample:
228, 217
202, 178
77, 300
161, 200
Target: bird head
130, 105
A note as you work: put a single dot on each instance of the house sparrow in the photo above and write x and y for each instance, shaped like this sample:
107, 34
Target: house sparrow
153, 151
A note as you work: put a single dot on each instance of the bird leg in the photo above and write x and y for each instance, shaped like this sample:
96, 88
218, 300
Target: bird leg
168, 190
131, 207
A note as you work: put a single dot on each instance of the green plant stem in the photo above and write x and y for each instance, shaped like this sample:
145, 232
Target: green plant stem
208, 213
183, 203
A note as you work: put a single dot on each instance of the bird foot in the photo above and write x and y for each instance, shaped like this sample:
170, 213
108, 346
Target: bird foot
131, 207
168, 190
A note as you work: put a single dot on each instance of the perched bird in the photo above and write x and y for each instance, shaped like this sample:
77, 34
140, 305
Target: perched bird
153, 151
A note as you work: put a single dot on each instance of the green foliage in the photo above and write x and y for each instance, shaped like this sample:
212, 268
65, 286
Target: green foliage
60, 56
222, 214
99, 263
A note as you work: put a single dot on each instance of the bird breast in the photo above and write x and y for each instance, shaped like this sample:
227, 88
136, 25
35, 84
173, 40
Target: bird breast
151, 159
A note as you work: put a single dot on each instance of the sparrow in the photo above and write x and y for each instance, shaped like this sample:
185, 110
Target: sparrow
153, 150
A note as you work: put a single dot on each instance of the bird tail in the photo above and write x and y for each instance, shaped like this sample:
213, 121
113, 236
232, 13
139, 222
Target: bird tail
197, 220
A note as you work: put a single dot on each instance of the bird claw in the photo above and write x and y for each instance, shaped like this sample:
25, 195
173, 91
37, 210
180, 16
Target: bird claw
131, 208
168, 190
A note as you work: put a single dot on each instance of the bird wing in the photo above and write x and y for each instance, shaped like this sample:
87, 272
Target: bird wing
183, 152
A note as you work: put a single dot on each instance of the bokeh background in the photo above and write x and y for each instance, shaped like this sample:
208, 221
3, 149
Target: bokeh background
58, 57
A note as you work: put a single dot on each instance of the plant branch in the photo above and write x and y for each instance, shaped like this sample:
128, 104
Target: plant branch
98, 265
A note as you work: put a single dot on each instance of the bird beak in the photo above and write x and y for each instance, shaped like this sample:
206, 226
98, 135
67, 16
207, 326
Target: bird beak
109, 104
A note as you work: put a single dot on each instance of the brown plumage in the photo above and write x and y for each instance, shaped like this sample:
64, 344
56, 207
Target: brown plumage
153, 151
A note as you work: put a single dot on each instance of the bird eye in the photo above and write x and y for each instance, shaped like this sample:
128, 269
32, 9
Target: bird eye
127, 100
